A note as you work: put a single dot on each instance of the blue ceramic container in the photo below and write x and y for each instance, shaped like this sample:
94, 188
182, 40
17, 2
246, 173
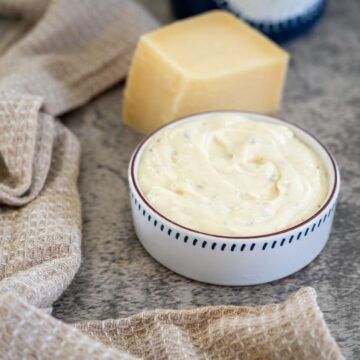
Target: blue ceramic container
280, 20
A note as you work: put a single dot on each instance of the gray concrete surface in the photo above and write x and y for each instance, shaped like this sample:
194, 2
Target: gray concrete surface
118, 278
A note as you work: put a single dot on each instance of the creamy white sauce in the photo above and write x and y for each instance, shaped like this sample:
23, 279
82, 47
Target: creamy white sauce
227, 175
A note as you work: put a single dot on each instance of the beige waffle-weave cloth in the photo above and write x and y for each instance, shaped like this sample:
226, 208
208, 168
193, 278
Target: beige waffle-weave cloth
60, 55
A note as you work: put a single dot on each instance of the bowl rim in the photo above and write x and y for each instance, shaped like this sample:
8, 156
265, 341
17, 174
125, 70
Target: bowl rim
217, 236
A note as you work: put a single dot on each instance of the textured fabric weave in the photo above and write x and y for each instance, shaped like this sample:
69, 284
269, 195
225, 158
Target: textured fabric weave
61, 54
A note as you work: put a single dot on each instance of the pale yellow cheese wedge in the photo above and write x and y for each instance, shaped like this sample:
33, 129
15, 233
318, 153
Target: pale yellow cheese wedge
205, 63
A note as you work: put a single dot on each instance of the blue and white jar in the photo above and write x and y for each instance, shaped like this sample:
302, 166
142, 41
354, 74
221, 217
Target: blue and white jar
281, 20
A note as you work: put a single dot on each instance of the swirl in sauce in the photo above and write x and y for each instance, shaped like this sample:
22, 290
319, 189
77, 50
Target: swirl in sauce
227, 175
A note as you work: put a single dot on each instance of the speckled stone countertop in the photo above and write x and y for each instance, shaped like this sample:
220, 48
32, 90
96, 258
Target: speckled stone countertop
118, 278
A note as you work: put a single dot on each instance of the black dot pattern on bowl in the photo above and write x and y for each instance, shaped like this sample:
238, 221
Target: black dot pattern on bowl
242, 246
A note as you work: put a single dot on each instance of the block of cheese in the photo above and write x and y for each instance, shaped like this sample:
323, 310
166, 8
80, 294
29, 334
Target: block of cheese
205, 63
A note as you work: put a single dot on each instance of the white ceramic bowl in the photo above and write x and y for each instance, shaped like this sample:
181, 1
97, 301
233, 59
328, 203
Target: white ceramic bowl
225, 260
